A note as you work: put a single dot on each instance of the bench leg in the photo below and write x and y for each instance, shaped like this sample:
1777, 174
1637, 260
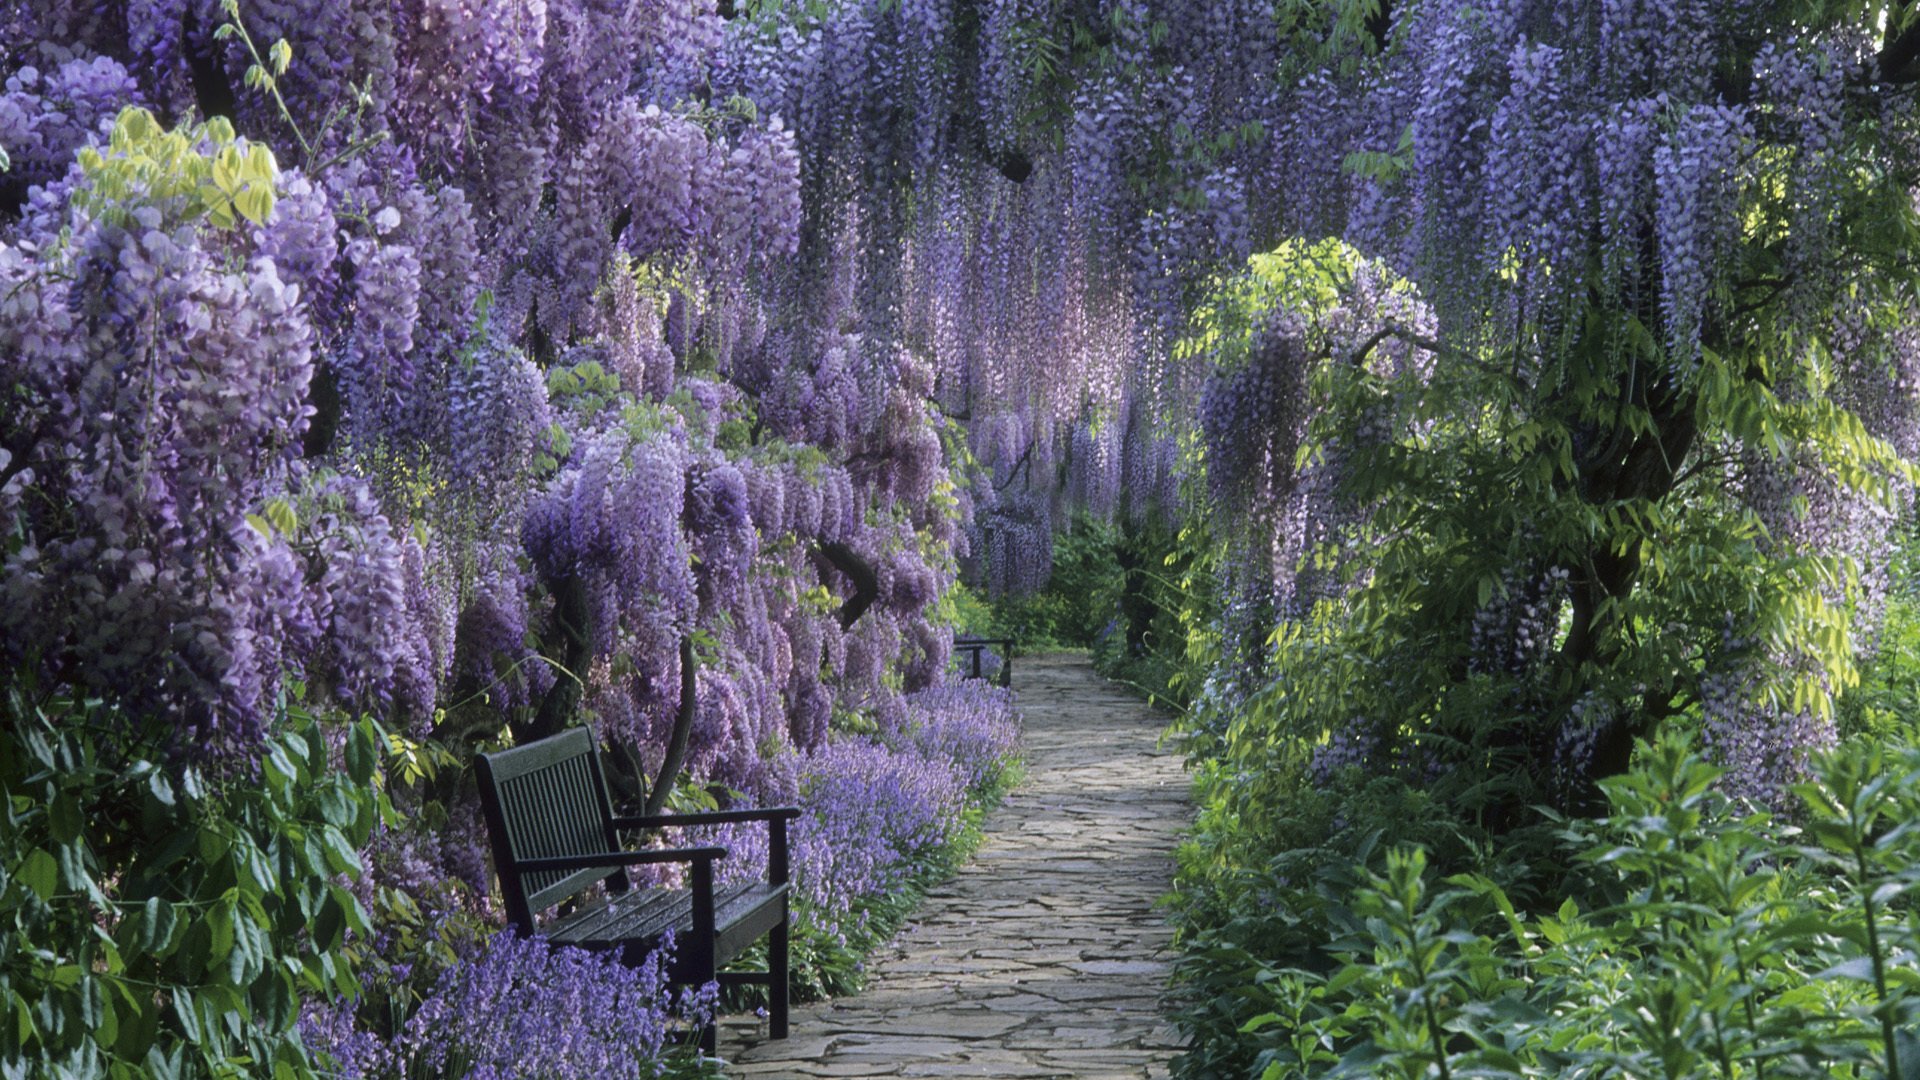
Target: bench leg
777, 976
702, 960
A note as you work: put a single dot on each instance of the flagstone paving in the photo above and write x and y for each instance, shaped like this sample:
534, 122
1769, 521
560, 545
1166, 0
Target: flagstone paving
1045, 956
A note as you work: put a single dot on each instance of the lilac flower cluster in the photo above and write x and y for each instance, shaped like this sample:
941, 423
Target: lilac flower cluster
380, 651
157, 374
1804, 86
1698, 173
1253, 419
1355, 746
656, 182
1513, 632
1011, 550
1541, 209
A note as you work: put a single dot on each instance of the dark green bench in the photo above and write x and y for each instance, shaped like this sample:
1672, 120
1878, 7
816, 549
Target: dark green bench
554, 834
978, 646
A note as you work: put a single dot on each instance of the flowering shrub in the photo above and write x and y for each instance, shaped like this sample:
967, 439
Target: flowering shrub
521, 1009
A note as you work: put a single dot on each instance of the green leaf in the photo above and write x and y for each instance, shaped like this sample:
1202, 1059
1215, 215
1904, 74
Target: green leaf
243, 963
255, 202
1907, 1044
1860, 968
65, 819
24, 1028
65, 976
349, 905
184, 1011
219, 924
278, 763
158, 921
212, 843
167, 1063
340, 854
329, 926
40, 873
361, 755
337, 808
1258, 1022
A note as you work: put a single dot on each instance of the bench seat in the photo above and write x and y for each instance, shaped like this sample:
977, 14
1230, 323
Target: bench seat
631, 921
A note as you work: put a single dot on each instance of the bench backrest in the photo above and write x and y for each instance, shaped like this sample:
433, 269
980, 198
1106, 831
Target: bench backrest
546, 799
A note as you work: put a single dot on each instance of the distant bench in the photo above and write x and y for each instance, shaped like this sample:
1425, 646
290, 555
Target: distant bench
554, 834
978, 646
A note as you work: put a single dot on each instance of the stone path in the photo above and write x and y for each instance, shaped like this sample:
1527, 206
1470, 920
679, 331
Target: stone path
1045, 956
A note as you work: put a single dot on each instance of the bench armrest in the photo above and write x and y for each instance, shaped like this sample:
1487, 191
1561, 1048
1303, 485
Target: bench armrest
776, 818
612, 859
708, 817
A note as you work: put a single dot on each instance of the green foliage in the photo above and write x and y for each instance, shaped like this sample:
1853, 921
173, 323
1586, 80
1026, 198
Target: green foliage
1682, 936
264, 73
161, 921
218, 176
1265, 885
1077, 605
1715, 941
1886, 705
1165, 637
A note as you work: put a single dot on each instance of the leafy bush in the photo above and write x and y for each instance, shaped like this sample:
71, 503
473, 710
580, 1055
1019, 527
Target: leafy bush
1718, 941
159, 921
1165, 636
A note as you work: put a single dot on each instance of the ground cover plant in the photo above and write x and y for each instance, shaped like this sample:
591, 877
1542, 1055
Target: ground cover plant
1491, 423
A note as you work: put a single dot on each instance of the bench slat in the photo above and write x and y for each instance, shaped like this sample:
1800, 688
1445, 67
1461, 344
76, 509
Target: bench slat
642, 913
646, 913
748, 917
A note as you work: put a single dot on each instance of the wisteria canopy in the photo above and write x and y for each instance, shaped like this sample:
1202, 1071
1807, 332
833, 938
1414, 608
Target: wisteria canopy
1534, 373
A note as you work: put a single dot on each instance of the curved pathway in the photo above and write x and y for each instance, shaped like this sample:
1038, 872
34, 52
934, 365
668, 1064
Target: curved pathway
1045, 955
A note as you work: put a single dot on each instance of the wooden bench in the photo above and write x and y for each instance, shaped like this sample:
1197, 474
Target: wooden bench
554, 834
977, 646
